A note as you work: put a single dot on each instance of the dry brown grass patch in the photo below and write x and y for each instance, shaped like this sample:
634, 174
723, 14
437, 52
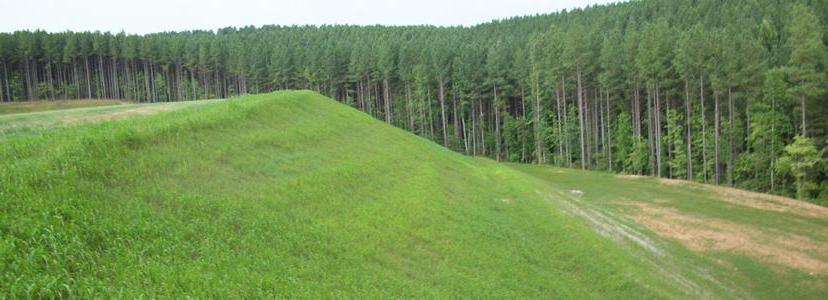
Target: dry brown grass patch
629, 177
121, 114
770, 202
755, 200
675, 182
710, 234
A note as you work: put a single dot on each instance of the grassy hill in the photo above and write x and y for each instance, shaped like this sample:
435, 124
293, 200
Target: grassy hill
292, 194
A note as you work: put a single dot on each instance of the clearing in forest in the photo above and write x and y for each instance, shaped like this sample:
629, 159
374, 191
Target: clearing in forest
291, 194
45, 105
41, 115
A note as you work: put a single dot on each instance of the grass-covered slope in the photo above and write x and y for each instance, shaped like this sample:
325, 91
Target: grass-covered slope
292, 194
287, 194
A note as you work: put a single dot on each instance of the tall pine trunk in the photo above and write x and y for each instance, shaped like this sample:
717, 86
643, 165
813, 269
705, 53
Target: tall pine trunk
565, 127
28, 79
658, 128
409, 106
101, 77
441, 96
2, 90
651, 128
6, 82
609, 131
474, 127
146, 82
637, 108
581, 116
482, 123
113, 65
387, 95
88, 78
49, 80
688, 122
704, 129
497, 123
802, 109
717, 131
730, 148
455, 118
538, 143
75, 79
559, 126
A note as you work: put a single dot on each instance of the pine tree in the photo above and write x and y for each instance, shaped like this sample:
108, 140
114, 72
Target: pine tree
801, 160
769, 128
624, 143
675, 134
808, 58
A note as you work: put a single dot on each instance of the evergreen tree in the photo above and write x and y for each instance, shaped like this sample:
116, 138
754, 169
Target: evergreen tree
769, 128
807, 62
801, 160
675, 138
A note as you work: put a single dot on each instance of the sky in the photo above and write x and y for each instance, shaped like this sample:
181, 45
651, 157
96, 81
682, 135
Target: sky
148, 16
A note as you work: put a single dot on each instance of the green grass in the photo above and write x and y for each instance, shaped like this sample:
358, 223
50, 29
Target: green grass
291, 194
740, 273
45, 105
45, 115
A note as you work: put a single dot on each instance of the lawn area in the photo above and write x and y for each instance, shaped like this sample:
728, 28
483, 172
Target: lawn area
26, 123
44, 105
757, 244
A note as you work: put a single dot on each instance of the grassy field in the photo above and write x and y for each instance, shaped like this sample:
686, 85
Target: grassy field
44, 116
293, 195
34, 106
753, 245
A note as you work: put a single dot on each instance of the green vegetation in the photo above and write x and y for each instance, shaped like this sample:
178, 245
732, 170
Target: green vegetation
46, 116
292, 194
283, 194
737, 239
34, 106
547, 89
800, 160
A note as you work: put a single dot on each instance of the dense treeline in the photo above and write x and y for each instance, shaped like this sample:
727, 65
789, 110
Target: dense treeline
725, 92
